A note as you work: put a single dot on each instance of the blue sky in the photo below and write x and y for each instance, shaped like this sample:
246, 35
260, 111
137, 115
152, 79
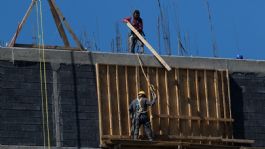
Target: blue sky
239, 25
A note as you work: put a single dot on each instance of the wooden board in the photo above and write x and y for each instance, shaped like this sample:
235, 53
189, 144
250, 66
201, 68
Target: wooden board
124, 104
155, 120
190, 103
172, 84
161, 60
104, 121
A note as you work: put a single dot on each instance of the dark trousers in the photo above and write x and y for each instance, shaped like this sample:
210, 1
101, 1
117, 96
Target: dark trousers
133, 40
142, 119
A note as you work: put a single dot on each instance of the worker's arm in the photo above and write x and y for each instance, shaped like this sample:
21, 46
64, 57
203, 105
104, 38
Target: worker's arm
150, 103
127, 19
131, 109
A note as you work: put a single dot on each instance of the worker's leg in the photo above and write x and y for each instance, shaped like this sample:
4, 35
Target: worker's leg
132, 127
132, 43
136, 128
141, 50
147, 128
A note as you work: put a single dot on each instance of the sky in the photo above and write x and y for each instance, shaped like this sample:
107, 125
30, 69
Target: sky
238, 25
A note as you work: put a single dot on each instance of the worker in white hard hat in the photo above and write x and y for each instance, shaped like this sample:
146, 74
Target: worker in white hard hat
139, 114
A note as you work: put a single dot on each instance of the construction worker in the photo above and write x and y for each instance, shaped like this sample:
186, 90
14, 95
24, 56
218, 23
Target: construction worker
137, 23
139, 115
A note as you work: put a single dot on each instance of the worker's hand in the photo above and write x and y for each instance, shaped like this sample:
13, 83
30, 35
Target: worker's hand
127, 19
152, 88
153, 94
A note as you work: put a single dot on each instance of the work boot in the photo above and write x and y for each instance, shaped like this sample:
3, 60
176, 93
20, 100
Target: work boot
135, 137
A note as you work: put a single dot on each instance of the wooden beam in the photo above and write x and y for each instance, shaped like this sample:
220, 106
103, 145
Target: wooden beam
155, 109
14, 38
161, 60
99, 104
193, 118
177, 99
59, 25
109, 101
172, 102
158, 100
123, 100
216, 139
78, 43
127, 99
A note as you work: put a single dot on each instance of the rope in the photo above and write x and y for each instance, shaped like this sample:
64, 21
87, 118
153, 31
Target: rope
42, 100
141, 65
43, 78
152, 88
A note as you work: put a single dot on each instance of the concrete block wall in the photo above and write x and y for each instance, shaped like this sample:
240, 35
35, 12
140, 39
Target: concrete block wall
248, 106
20, 102
73, 109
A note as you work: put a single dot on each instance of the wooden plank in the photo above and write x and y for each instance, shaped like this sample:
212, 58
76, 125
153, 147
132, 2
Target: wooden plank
138, 88
208, 130
218, 139
14, 38
167, 99
211, 102
179, 117
127, 98
198, 98
172, 102
189, 101
217, 105
131, 82
102, 89
155, 109
203, 104
221, 103
183, 101
99, 93
67, 25
149, 96
163, 101
193, 95
118, 99
226, 125
59, 25
197, 118
132, 90
124, 104
114, 106
228, 103
161, 60
109, 100
177, 100
158, 100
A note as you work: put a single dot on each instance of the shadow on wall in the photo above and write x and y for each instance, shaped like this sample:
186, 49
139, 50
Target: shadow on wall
237, 109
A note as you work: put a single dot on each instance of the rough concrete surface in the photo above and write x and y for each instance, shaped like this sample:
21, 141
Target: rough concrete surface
73, 107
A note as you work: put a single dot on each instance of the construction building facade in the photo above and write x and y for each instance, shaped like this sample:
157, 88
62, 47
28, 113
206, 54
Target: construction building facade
202, 102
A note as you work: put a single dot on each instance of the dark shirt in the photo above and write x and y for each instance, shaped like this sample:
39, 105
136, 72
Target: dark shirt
138, 24
144, 103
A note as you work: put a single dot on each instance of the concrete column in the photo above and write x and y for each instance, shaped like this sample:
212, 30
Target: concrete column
56, 104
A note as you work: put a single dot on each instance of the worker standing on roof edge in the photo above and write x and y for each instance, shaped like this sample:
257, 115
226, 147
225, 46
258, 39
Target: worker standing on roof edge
137, 23
139, 115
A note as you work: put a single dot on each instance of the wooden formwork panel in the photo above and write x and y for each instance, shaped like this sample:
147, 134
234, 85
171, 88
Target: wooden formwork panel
190, 103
